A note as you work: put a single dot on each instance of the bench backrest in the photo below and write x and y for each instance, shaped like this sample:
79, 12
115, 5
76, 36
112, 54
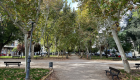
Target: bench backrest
12, 62
116, 70
137, 64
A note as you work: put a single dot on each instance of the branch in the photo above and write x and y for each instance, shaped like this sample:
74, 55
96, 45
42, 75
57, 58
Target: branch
37, 15
8, 40
38, 10
119, 11
9, 14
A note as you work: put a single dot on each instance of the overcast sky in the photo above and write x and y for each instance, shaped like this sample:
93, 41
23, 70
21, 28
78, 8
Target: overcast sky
73, 4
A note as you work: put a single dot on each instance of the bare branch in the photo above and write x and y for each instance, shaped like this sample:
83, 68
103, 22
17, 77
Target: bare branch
38, 10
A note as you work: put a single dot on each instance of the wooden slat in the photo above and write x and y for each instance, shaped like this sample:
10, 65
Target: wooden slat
12, 62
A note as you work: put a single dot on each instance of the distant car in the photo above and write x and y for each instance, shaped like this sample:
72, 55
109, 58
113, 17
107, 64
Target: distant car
129, 55
112, 55
119, 55
44, 53
103, 54
92, 54
97, 54
2, 54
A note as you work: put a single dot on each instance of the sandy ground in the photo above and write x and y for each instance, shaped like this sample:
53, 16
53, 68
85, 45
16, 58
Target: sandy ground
74, 68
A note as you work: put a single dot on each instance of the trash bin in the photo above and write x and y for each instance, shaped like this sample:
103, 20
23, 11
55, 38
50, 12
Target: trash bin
50, 64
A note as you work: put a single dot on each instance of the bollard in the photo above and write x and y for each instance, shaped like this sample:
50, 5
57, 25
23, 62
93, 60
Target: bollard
51, 64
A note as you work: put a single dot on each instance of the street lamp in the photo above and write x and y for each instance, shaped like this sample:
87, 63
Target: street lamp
29, 57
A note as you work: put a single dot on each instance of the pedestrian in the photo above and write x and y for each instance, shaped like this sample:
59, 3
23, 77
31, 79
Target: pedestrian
82, 54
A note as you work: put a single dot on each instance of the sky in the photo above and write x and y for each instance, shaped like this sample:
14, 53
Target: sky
73, 4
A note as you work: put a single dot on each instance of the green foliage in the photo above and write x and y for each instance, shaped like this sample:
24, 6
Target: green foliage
14, 49
123, 36
94, 50
133, 30
9, 32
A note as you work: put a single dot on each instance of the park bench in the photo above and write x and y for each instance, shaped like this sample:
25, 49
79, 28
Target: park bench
12, 63
137, 65
18, 56
116, 59
113, 72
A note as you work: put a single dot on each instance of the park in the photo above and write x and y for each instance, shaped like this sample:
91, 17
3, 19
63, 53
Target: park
69, 40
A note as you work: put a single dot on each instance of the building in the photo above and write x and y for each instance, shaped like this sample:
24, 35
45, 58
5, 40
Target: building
7, 49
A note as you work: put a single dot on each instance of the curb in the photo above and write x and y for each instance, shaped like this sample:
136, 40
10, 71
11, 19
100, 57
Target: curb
47, 75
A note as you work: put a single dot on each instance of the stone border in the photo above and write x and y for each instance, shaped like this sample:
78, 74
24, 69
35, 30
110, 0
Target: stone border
47, 75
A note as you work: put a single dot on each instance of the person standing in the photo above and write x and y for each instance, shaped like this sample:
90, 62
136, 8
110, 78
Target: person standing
82, 54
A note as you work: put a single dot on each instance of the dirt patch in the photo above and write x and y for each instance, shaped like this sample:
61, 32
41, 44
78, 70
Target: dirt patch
52, 76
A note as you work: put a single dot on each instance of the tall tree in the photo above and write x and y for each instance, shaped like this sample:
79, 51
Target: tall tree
8, 32
25, 12
111, 10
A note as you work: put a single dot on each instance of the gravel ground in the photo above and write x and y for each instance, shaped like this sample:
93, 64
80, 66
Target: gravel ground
74, 68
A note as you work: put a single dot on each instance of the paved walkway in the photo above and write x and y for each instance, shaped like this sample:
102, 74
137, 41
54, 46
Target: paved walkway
78, 69
75, 68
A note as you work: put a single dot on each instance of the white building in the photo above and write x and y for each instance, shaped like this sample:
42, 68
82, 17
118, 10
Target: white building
7, 49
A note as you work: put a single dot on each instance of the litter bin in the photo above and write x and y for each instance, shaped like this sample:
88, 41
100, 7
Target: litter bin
50, 64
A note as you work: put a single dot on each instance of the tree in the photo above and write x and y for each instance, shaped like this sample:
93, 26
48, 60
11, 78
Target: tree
48, 21
25, 12
8, 32
110, 11
14, 49
133, 31
20, 48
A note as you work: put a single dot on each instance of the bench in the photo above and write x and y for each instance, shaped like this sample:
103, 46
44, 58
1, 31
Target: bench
113, 72
12, 63
116, 58
18, 56
137, 65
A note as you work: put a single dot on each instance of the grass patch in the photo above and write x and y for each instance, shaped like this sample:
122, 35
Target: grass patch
98, 57
134, 75
53, 56
14, 57
18, 74
133, 59
103, 58
5, 56
109, 58
56, 56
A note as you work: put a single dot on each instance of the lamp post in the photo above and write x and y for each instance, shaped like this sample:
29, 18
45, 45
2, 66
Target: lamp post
29, 57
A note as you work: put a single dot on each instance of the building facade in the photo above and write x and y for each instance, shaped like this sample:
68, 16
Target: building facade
7, 49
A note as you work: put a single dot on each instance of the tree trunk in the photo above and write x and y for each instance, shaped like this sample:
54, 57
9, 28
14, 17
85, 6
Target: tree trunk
49, 52
58, 54
106, 52
32, 55
26, 50
100, 52
117, 41
123, 56
62, 53
1, 46
87, 52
